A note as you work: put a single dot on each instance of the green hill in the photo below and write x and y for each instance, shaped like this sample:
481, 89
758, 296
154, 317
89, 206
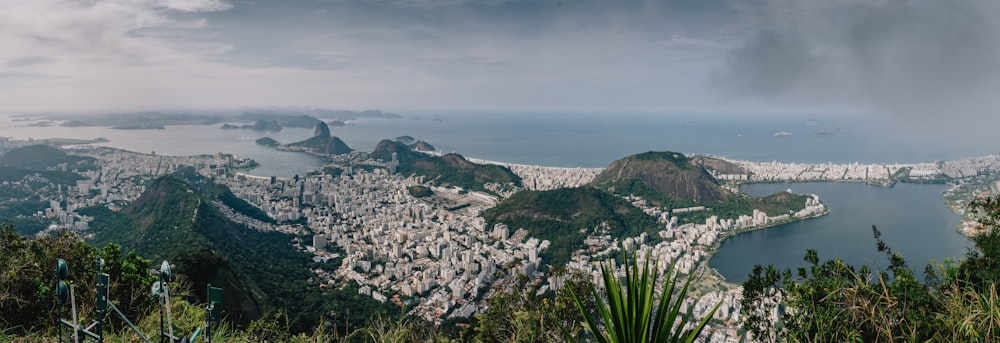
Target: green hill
267, 141
11, 174
384, 149
670, 173
170, 221
282, 119
261, 125
261, 272
671, 180
266, 125
665, 179
447, 170
567, 216
30, 174
40, 157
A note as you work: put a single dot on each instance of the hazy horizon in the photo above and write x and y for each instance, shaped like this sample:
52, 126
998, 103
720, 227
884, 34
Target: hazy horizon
927, 65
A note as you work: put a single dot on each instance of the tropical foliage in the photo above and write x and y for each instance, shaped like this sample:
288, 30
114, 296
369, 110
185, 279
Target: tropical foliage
519, 312
27, 283
631, 312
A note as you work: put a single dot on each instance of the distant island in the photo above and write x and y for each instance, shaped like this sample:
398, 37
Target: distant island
139, 126
321, 143
267, 141
261, 125
136, 120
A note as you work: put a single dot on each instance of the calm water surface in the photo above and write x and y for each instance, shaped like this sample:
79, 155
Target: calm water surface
912, 218
184, 140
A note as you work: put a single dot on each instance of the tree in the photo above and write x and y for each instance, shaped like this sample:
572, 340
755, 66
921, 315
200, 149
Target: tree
130, 279
519, 312
835, 302
981, 267
27, 296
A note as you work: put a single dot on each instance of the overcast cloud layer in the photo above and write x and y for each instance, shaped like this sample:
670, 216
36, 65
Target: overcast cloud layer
918, 59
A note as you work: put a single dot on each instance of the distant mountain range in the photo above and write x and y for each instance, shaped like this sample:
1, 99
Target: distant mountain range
300, 118
259, 125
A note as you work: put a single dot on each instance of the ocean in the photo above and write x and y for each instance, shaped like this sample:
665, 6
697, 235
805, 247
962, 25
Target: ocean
554, 139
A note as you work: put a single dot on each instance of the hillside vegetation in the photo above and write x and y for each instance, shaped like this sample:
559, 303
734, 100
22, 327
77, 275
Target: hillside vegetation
669, 173
670, 180
40, 157
447, 170
567, 216
261, 271
36, 169
825, 302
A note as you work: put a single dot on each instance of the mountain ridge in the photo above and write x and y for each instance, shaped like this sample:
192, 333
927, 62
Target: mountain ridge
667, 172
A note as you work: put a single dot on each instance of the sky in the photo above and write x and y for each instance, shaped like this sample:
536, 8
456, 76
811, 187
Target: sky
919, 60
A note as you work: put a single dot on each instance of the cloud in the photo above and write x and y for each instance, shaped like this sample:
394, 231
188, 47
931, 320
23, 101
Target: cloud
97, 53
102, 29
28, 61
440, 3
920, 59
155, 54
195, 5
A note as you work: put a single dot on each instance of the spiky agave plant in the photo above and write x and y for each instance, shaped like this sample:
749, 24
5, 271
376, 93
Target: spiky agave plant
631, 312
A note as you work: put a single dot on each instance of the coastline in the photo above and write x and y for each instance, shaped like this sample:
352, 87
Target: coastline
709, 282
597, 170
711, 250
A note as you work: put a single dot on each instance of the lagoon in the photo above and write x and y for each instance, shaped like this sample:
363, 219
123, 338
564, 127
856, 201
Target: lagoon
912, 218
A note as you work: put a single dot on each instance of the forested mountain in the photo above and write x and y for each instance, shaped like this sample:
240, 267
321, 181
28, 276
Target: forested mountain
261, 272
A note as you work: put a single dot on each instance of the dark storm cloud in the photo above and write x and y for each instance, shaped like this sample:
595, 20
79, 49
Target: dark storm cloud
307, 34
914, 58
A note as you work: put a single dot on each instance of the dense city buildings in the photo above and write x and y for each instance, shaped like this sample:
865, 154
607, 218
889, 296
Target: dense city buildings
441, 257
